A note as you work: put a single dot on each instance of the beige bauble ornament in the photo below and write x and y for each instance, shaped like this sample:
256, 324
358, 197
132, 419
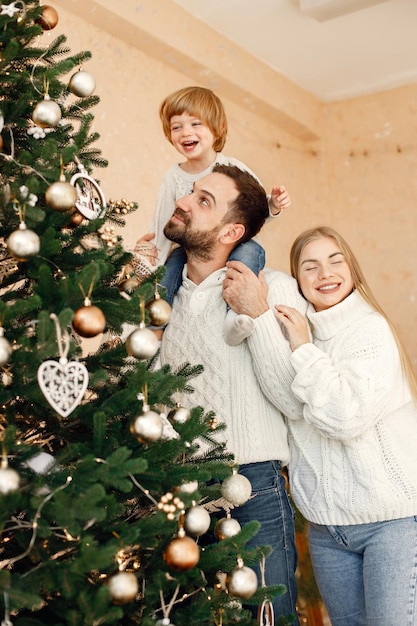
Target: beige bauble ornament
89, 320
9, 479
197, 520
47, 113
159, 311
61, 196
148, 426
236, 489
227, 527
242, 582
182, 553
82, 84
123, 587
23, 244
142, 343
49, 18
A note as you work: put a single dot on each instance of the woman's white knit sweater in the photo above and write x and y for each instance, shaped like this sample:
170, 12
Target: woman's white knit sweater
353, 453
239, 383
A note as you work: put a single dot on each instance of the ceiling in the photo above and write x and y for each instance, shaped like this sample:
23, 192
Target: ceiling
362, 51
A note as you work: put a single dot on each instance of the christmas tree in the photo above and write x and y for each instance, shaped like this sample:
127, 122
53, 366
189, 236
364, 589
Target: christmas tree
106, 503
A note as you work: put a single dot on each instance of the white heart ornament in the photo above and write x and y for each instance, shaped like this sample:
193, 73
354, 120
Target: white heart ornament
63, 384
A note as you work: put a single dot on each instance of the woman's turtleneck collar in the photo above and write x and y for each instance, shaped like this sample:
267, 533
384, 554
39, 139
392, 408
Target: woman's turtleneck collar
326, 324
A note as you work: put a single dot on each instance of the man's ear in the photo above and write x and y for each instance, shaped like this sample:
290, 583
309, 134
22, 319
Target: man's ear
231, 233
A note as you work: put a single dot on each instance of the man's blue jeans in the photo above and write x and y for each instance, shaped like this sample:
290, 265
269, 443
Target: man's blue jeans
367, 573
271, 507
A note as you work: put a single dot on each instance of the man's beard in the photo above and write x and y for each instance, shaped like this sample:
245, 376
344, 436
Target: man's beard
197, 243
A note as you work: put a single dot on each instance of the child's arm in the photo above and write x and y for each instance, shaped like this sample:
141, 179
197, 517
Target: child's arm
278, 200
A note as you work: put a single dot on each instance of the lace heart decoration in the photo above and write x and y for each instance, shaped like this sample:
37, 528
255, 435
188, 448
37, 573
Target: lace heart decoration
63, 383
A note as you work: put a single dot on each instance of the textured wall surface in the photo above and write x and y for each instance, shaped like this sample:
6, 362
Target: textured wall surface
349, 164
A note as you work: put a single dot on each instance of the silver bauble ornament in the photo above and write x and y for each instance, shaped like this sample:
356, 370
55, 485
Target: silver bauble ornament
5, 349
242, 582
236, 489
47, 113
148, 426
142, 343
61, 196
23, 244
180, 415
159, 311
82, 84
123, 587
9, 479
197, 521
227, 527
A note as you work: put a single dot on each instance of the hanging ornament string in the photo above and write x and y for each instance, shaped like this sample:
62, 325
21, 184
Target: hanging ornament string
266, 610
8, 562
166, 610
6, 621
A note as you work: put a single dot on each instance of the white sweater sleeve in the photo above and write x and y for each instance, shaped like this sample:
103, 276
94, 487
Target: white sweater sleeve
270, 349
344, 393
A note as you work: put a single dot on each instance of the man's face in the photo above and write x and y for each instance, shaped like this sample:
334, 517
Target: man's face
198, 218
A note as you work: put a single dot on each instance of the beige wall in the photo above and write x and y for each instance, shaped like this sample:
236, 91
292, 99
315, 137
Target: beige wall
348, 164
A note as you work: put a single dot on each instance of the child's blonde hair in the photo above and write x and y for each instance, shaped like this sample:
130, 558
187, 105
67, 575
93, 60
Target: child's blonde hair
198, 101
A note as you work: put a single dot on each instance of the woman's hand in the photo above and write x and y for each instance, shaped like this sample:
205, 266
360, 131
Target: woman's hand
295, 323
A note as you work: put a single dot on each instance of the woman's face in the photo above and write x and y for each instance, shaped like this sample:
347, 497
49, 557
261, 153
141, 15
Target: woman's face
324, 276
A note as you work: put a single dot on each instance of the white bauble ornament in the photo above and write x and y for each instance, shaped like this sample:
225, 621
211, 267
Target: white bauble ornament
5, 349
227, 527
242, 582
197, 521
123, 587
9, 479
47, 113
142, 343
236, 489
61, 196
82, 84
23, 244
148, 426
188, 487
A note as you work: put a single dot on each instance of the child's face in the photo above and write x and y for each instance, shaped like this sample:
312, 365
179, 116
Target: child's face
191, 137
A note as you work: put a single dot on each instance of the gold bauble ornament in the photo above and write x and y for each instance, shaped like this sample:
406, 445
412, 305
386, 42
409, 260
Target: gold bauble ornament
61, 196
23, 244
89, 320
9, 479
236, 489
76, 219
129, 284
182, 553
47, 113
82, 84
242, 582
159, 311
148, 426
123, 587
142, 343
49, 18
227, 527
1, 142
179, 414
197, 520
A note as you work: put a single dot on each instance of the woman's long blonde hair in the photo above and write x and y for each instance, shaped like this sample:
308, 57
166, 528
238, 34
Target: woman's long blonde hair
359, 283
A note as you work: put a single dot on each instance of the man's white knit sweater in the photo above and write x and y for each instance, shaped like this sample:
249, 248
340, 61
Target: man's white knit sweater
240, 383
353, 453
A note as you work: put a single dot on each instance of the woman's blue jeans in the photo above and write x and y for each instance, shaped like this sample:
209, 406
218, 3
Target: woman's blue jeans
271, 507
367, 573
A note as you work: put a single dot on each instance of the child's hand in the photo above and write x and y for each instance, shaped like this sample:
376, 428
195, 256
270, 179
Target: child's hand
146, 249
280, 199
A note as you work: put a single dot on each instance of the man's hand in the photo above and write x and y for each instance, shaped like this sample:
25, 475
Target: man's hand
243, 291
